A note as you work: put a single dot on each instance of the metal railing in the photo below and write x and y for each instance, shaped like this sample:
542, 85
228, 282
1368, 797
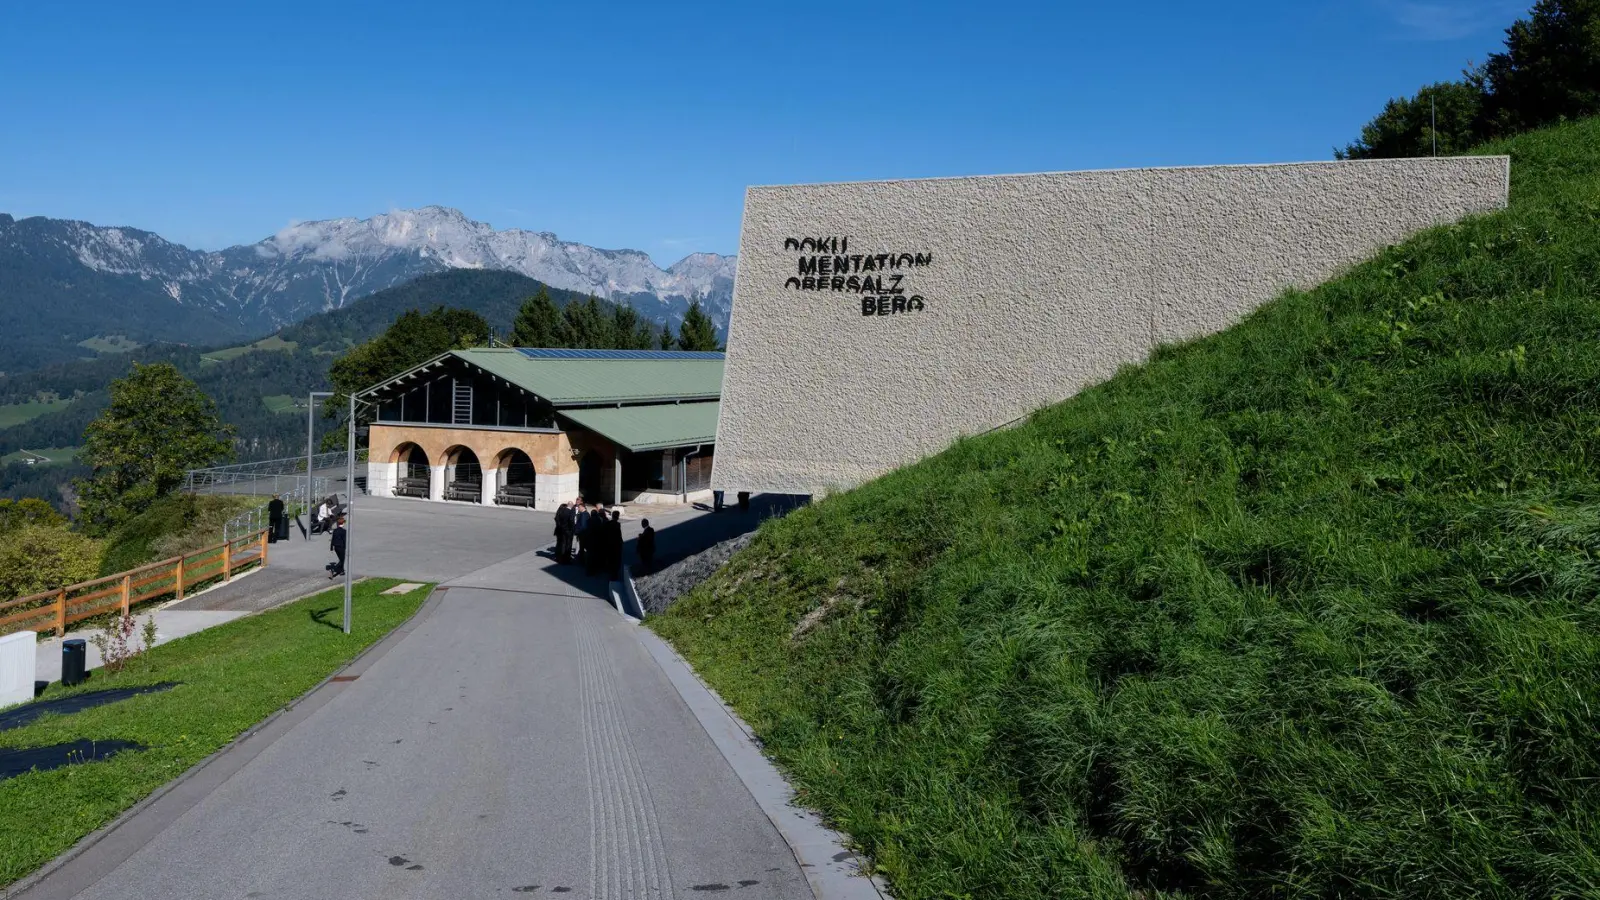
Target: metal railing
257, 517
269, 478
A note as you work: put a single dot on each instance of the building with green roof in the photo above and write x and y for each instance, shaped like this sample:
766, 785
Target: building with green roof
539, 427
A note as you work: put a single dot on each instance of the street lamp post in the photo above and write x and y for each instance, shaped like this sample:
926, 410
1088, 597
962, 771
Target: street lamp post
311, 407
350, 508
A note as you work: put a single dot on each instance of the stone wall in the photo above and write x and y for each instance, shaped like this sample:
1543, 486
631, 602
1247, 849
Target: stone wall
555, 470
873, 323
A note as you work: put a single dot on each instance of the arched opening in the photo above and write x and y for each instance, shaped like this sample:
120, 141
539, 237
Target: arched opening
463, 475
516, 479
411, 471
590, 474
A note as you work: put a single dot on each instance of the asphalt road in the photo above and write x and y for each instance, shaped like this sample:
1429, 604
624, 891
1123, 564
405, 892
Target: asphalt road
519, 740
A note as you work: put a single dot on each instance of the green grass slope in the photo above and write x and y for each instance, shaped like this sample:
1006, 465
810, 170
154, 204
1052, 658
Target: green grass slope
177, 523
1305, 609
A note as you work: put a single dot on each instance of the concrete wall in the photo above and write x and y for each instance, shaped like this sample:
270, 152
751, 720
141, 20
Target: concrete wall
18, 657
988, 298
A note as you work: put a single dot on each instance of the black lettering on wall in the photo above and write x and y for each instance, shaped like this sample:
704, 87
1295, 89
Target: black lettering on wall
825, 264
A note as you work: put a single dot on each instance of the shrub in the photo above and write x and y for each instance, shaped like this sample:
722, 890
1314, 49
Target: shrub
35, 558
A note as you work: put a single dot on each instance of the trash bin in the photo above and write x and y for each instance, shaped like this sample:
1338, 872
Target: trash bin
744, 501
283, 528
74, 661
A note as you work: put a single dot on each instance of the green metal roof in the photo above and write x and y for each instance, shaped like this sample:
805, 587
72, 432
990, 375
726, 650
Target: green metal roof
575, 382
651, 427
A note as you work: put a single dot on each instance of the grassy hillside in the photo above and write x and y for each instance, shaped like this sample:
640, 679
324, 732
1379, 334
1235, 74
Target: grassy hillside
1305, 609
179, 523
17, 413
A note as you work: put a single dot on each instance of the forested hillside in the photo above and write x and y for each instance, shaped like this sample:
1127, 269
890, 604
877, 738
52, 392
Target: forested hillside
494, 295
255, 385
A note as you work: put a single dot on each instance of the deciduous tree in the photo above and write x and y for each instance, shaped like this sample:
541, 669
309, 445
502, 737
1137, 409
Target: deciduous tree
1408, 126
1549, 71
157, 426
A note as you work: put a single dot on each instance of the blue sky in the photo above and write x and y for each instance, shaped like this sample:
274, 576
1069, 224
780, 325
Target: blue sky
640, 124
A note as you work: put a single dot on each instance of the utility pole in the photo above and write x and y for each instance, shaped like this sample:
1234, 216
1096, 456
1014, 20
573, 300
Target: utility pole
349, 509
311, 407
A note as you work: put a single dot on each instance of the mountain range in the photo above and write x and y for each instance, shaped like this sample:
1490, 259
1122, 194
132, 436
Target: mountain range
64, 284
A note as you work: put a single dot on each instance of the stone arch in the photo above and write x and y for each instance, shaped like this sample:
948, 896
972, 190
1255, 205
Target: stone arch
412, 460
516, 477
409, 471
463, 474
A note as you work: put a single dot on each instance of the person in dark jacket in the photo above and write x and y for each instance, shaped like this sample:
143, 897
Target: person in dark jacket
337, 546
276, 527
614, 545
646, 547
564, 519
580, 531
596, 539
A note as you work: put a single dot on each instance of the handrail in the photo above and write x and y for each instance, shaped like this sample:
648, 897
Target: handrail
56, 609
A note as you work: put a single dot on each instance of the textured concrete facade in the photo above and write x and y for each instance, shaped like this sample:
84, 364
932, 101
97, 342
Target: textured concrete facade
873, 323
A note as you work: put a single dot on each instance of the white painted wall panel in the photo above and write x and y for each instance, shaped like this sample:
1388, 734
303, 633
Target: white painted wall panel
18, 659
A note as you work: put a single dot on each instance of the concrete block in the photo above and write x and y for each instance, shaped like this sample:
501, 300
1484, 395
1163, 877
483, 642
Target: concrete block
18, 667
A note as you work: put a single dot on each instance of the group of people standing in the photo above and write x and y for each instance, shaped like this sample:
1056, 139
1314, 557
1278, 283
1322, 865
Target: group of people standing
598, 535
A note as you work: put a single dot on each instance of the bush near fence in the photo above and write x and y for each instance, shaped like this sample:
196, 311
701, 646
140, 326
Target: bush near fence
172, 578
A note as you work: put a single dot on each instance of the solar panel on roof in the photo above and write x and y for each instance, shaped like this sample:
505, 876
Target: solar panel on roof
564, 353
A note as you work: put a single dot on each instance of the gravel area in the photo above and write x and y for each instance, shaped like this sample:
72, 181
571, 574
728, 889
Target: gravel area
659, 590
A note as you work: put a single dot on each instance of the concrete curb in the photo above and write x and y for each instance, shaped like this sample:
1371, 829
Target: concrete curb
829, 865
629, 595
269, 729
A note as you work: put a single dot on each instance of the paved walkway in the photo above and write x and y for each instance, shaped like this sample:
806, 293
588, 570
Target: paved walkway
170, 625
519, 739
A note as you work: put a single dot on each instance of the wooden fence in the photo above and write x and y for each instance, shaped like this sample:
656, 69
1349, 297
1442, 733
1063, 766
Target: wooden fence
55, 610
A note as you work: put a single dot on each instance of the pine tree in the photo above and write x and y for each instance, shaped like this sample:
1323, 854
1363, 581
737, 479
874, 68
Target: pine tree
624, 327
603, 333
667, 340
697, 331
645, 337
537, 322
576, 329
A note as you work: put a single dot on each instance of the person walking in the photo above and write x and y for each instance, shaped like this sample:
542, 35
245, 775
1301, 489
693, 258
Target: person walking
646, 547
564, 534
337, 546
580, 530
614, 545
